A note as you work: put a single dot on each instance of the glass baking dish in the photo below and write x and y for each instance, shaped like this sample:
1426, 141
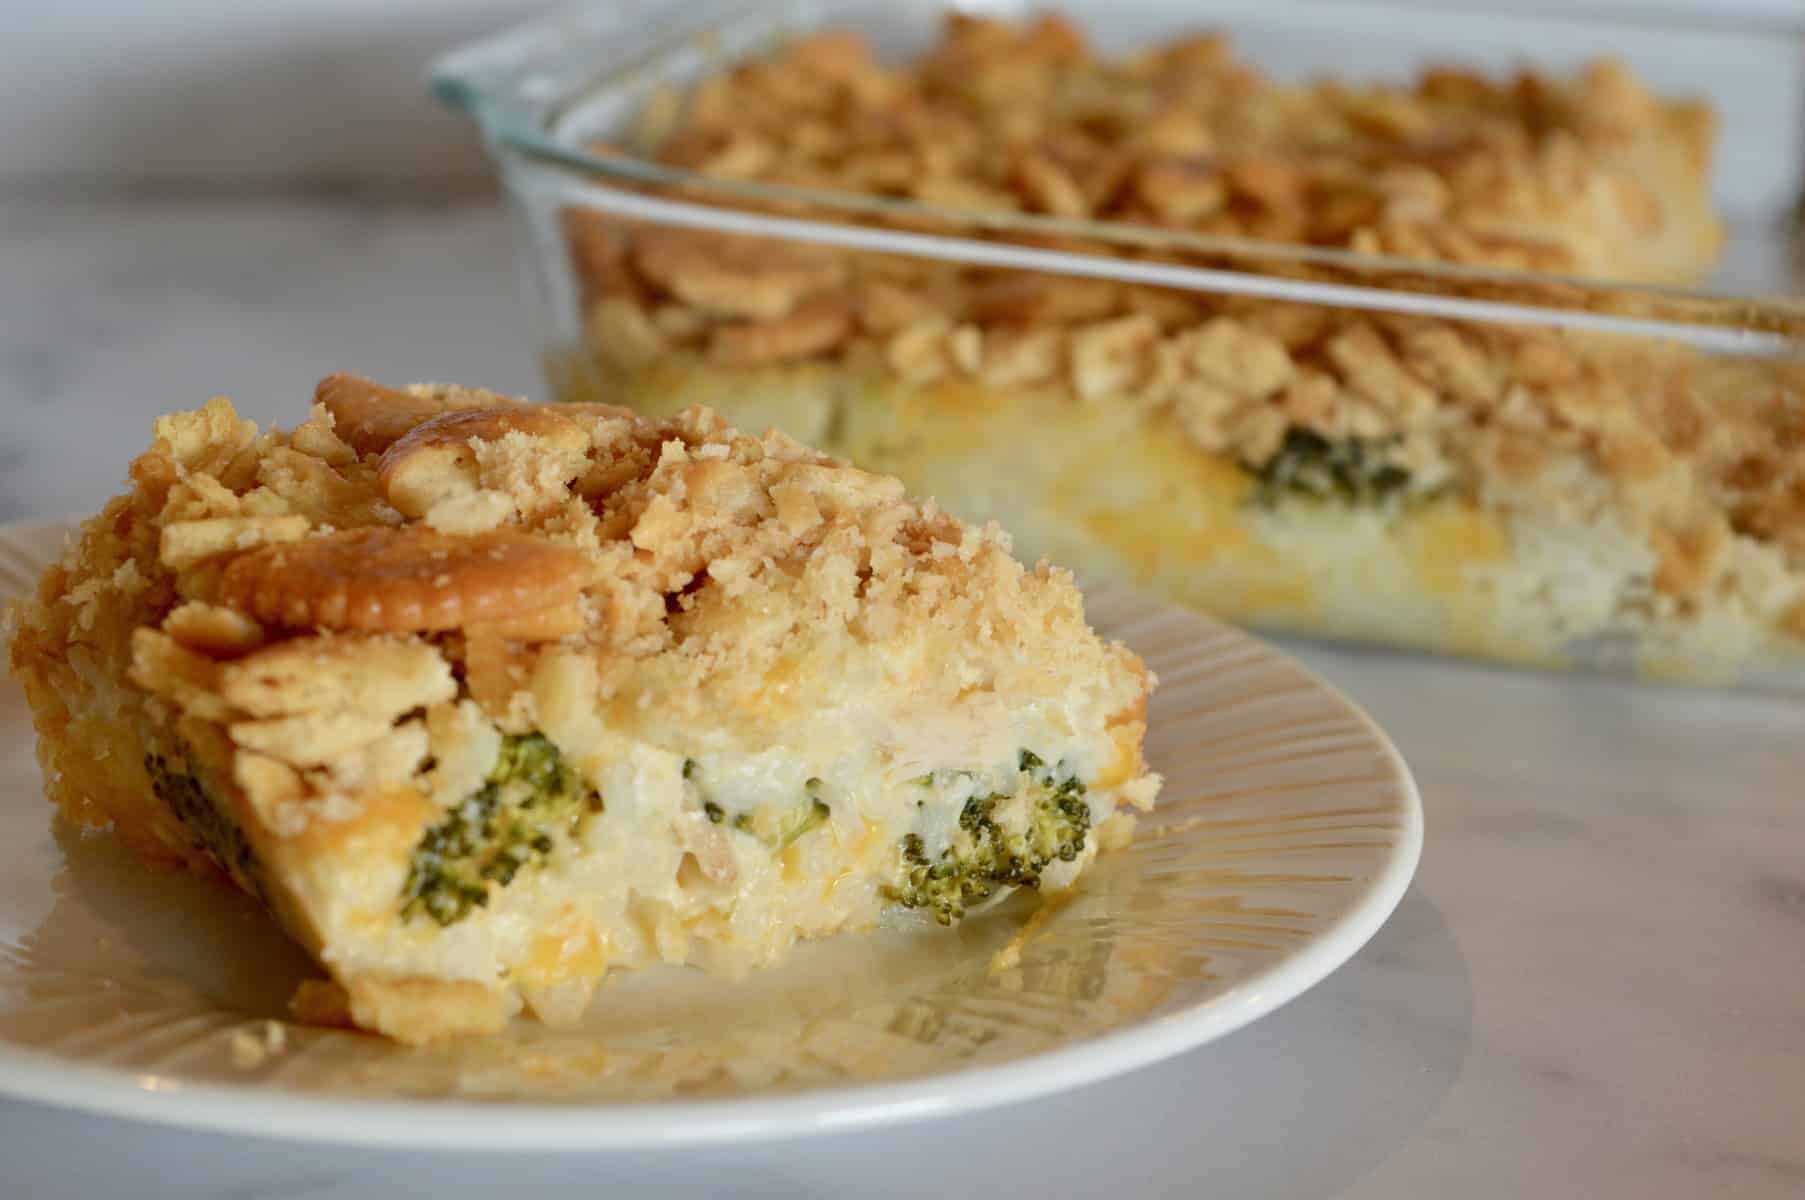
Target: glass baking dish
1311, 369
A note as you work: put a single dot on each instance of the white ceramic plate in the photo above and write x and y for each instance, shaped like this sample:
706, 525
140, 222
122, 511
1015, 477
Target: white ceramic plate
1287, 831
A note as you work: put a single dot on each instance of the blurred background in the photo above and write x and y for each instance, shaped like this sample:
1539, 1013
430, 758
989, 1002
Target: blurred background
194, 95
202, 196
329, 95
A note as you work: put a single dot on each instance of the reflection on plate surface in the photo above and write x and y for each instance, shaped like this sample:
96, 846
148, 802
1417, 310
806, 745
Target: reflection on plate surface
1286, 832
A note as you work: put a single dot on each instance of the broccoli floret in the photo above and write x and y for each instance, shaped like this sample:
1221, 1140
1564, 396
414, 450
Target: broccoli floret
997, 845
177, 784
514, 820
1350, 470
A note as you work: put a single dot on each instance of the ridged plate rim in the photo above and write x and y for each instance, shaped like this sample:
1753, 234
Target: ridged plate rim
1362, 901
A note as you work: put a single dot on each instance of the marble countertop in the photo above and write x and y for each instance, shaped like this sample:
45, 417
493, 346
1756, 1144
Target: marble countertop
1595, 987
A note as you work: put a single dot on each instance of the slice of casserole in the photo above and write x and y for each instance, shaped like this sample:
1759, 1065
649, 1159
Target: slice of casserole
484, 700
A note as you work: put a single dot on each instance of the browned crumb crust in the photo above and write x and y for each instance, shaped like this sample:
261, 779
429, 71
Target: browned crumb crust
285, 601
1689, 450
1592, 176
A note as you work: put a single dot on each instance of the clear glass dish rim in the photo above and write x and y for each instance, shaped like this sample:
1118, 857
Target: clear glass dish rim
516, 83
